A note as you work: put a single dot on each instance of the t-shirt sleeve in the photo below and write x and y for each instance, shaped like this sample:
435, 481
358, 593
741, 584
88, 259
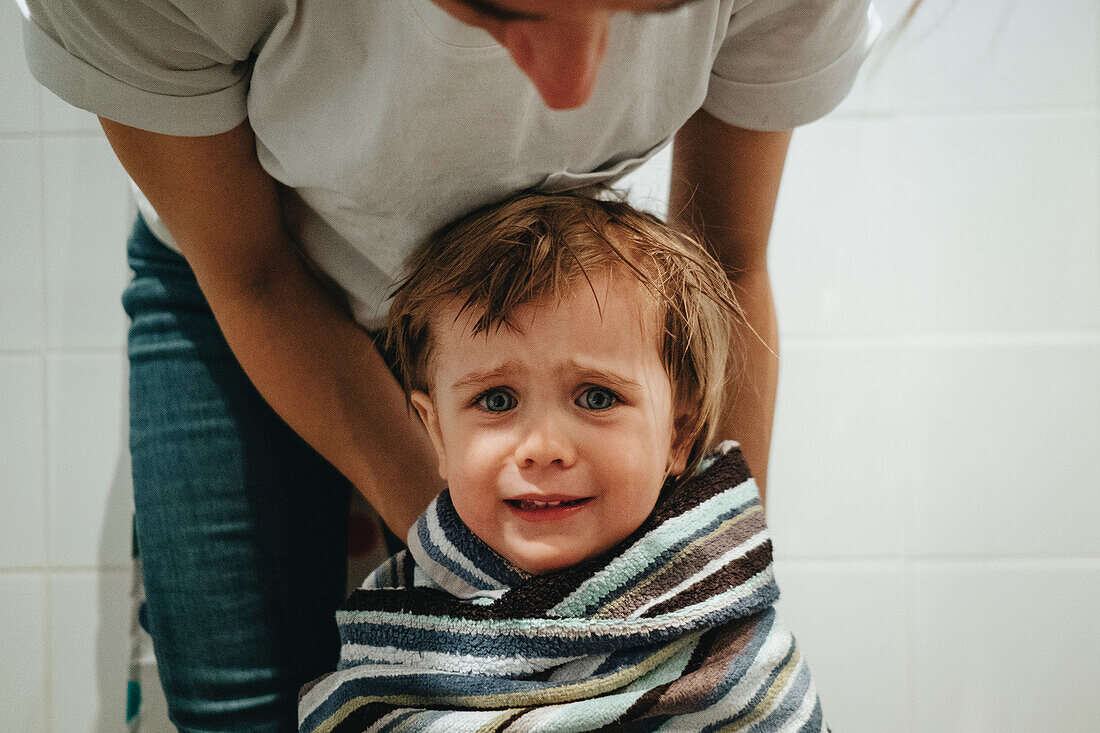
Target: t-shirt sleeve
177, 67
788, 62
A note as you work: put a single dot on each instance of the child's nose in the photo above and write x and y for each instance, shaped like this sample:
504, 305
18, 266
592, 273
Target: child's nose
545, 442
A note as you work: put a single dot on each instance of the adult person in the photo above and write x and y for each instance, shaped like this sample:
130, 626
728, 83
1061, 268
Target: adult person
287, 155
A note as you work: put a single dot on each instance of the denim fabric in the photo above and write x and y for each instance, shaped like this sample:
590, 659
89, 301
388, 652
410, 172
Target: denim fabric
242, 527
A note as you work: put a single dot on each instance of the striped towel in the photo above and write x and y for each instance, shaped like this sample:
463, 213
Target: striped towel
671, 630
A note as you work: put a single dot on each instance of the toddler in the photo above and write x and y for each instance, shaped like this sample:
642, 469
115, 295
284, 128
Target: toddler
588, 567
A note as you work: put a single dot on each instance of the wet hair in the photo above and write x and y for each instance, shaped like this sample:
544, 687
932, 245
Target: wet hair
533, 246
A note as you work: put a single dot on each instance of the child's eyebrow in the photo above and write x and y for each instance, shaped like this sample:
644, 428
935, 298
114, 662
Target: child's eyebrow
509, 369
599, 375
482, 376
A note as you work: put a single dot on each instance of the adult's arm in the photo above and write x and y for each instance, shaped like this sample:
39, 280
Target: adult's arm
725, 180
306, 355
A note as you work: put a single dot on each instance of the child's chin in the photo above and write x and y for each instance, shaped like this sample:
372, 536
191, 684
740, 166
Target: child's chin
545, 560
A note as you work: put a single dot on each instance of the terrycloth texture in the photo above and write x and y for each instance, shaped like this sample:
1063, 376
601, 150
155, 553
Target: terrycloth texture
672, 630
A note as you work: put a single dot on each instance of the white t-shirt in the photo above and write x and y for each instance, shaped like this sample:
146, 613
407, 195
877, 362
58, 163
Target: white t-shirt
388, 118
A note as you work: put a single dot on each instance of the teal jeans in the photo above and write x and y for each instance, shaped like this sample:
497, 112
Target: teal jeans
242, 527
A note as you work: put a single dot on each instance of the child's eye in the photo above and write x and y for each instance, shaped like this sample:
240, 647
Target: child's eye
496, 400
597, 398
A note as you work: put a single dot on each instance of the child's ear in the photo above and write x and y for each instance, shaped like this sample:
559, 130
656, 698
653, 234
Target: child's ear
425, 407
682, 438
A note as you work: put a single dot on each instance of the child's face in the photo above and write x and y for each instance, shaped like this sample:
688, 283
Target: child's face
555, 438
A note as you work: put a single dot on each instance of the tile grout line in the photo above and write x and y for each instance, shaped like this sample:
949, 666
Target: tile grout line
1068, 337
70, 570
895, 116
47, 513
39, 111
68, 351
885, 559
1075, 557
49, 134
906, 499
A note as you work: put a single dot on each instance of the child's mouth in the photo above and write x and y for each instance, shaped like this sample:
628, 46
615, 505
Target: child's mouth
546, 510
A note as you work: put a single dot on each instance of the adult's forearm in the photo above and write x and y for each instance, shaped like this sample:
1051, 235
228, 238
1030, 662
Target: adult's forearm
754, 371
302, 350
322, 374
725, 181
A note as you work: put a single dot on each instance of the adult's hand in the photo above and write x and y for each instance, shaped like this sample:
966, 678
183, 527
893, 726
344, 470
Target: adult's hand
725, 180
305, 354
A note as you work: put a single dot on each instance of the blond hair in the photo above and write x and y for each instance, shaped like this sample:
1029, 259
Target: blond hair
535, 245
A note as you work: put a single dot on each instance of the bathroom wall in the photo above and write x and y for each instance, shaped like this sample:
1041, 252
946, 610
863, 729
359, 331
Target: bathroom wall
933, 488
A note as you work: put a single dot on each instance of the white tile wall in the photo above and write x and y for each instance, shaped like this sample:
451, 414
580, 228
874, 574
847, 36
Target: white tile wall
87, 218
995, 55
981, 55
1003, 646
1001, 234
89, 648
89, 489
64, 213
838, 444
22, 473
59, 117
22, 274
23, 664
936, 263
19, 97
879, 230
832, 254
849, 618
1006, 440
